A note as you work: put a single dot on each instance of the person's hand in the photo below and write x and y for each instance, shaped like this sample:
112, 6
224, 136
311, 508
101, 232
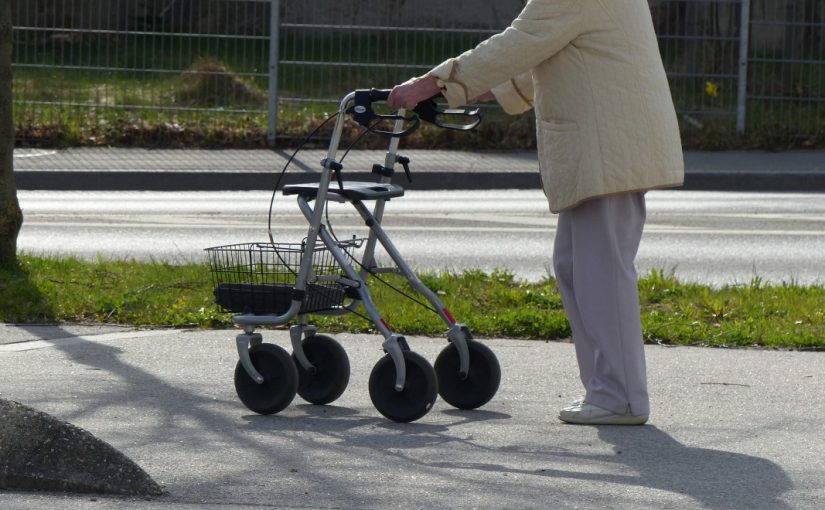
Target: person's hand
413, 91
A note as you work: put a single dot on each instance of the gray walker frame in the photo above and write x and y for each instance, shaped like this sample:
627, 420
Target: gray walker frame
394, 344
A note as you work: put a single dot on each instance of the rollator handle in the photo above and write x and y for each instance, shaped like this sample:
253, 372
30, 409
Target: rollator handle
466, 118
363, 113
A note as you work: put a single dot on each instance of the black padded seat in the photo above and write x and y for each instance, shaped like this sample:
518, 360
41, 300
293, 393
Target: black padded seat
353, 190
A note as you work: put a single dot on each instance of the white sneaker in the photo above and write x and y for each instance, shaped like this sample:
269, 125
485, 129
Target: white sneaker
588, 414
576, 403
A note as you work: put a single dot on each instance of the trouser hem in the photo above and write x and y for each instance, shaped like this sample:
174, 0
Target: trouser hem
636, 409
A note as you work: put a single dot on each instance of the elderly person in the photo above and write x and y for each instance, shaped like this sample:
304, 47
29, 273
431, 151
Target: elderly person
607, 132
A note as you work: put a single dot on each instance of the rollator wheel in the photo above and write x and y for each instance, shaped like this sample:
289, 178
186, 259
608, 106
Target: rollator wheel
280, 380
481, 382
417, 397
331, 375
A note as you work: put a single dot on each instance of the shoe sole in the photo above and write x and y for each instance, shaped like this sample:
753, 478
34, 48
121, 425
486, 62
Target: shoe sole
606, 420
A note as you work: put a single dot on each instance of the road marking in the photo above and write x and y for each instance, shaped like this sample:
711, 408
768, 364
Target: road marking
79, 339
503, 227
32, 153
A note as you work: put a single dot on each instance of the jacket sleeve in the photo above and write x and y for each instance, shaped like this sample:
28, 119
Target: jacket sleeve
541, 30
516, 95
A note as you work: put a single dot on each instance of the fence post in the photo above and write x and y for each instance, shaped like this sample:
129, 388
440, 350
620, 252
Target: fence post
274, 34
744, 36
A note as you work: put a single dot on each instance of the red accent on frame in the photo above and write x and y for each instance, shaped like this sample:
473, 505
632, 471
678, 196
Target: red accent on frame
384, 323
449, 315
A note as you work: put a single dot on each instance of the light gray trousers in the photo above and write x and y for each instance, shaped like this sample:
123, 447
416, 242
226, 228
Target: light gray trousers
595, 248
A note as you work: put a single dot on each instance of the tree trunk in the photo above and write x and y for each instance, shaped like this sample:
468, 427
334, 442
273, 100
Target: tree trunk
11, 217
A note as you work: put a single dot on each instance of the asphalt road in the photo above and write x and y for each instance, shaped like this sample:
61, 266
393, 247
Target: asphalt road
708, 237
729, 430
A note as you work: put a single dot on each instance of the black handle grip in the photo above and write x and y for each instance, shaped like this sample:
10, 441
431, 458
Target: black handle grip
431, 112
363, 113
379, 94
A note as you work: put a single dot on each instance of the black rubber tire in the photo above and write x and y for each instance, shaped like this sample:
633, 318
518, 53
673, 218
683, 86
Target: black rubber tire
417, 397
280, 380
482, 379
332, 370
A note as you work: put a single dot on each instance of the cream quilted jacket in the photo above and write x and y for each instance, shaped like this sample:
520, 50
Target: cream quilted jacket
593, 72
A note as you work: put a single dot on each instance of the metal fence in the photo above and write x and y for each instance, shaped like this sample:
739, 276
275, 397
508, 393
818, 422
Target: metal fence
756, 66
216, 73
786, 62
126, 71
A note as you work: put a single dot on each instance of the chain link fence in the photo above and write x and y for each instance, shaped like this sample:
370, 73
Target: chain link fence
239, 73
138, 72
756, 67
786, 62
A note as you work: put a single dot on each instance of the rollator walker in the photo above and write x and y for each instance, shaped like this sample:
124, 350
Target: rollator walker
274, 284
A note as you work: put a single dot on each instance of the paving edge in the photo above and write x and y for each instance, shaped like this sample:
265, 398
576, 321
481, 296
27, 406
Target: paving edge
244, 181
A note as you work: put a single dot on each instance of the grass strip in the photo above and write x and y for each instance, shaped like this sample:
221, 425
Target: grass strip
756, 314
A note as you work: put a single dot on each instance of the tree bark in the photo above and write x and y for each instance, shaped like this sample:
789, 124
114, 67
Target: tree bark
11, 217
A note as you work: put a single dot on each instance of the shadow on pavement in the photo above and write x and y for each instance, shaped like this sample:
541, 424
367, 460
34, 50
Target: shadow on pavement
649, 457
718, 479
169, 405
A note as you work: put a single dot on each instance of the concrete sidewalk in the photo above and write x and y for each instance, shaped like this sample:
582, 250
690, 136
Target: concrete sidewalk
202, 170
730, 429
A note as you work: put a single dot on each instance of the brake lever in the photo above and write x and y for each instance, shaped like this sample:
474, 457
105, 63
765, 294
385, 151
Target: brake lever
364, 115
430, 111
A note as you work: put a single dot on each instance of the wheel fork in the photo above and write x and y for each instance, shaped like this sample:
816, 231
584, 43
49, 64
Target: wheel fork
395, 345
459, 334
244, 341
295, 334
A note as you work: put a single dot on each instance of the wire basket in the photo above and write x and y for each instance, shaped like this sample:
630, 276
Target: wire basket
259, 278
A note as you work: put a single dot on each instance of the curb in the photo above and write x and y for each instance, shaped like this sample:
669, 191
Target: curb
246, 181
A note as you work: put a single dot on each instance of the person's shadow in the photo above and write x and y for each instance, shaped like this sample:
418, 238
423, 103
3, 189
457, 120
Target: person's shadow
718, 479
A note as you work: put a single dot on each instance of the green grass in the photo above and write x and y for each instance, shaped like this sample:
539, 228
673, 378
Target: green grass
106, 291
786, 316
755, 314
